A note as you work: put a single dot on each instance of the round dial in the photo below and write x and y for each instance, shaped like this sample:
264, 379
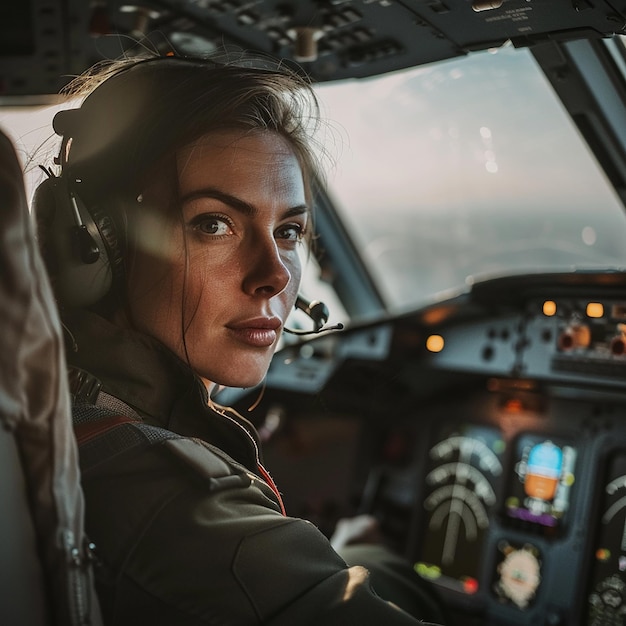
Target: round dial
519, 574
461, 491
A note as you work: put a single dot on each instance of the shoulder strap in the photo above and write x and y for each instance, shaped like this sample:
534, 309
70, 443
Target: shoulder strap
87, 430
124, 434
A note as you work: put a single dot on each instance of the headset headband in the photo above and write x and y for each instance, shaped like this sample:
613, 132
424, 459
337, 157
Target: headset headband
119, 126
119, 130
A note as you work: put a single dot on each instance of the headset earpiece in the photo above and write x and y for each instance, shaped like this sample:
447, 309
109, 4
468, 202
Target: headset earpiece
72, 246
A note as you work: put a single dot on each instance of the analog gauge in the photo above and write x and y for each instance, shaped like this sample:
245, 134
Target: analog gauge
461, 486
607, 588
518, 574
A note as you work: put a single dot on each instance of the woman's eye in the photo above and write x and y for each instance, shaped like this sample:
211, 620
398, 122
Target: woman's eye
291, 232
212, 225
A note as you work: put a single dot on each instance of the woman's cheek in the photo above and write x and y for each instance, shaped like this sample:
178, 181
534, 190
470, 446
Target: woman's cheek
295, 269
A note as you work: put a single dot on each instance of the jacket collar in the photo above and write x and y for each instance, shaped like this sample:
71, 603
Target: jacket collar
155, 383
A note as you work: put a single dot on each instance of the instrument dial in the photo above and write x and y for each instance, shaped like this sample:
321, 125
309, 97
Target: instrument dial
464, 470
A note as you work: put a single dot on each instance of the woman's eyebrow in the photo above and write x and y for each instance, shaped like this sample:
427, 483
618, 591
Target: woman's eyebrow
211, 192
294, 211
236, 203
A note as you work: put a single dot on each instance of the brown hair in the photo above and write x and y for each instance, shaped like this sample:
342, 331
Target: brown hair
136, 111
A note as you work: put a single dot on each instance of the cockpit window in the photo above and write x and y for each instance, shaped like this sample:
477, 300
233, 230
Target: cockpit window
467, 168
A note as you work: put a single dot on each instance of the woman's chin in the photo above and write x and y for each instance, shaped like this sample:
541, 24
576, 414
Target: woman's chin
238, 371
243, 381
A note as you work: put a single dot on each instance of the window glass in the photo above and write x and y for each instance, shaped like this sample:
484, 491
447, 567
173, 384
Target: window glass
465, 169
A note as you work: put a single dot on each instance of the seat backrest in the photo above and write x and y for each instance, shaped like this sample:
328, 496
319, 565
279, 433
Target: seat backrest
44, 556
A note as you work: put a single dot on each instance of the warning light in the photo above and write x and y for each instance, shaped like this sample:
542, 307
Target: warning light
434, 343
549, 308
513, 405
470, 586
595, 309
602, 554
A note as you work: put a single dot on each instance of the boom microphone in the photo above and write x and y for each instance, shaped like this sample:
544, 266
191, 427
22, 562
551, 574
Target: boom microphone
318, 312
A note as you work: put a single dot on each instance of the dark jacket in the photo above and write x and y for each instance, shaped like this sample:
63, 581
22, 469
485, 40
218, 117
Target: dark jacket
187, 529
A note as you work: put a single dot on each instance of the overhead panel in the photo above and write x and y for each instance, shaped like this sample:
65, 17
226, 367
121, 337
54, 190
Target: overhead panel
45, 42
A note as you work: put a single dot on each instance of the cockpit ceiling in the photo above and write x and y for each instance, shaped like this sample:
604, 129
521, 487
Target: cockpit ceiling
43, 40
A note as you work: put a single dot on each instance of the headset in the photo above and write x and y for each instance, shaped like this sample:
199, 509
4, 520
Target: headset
81, 246
318, 312
72, 244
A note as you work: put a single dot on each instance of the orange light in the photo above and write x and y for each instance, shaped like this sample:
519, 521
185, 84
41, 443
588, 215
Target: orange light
549, 308
602, 554
575, 336
595, 309
435, 343
513, 405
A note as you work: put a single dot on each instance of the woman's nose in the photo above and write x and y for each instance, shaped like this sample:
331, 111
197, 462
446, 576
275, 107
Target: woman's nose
267, 269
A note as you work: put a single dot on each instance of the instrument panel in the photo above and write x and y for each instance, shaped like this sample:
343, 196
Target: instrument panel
523, 511
491, 443
510, 481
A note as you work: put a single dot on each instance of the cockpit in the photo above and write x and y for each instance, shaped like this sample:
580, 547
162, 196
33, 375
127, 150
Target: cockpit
471, 235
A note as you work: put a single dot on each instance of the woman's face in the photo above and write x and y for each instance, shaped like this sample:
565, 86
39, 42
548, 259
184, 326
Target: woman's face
223, 280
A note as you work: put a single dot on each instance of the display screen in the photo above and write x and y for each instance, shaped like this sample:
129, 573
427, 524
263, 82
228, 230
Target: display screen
465, 469
542, 481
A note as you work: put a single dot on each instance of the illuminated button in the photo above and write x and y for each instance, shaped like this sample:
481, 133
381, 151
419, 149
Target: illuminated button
595, 309
575, 336
470, 585
435, 343
427, 571
549, 308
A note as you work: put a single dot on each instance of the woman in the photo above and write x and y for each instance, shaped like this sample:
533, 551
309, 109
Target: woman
195, 179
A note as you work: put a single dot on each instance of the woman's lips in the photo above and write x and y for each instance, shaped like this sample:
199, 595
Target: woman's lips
259, 333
